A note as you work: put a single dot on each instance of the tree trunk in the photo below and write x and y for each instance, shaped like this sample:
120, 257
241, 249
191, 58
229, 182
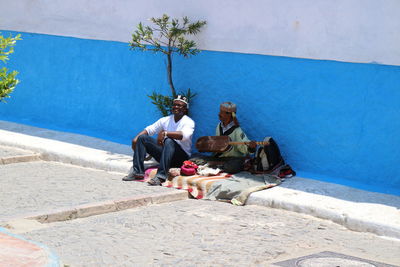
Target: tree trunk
169, 71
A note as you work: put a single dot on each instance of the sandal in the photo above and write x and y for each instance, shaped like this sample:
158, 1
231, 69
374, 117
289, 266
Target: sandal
155, 181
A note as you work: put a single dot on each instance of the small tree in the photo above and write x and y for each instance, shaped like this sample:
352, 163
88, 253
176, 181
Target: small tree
168, 37
8, 80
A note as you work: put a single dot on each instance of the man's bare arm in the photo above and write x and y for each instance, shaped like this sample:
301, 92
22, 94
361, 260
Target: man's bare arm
134, 140
177, 135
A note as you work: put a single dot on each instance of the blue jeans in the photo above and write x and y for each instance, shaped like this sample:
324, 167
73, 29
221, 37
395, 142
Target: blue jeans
169, 155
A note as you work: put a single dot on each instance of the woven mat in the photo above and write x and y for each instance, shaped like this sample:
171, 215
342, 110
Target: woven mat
197, 185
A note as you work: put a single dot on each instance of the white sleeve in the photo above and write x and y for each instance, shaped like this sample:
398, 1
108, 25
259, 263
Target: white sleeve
187, 130
155, 127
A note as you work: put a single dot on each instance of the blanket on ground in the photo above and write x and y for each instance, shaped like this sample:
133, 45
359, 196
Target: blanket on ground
223, 186
238, 187
197, 185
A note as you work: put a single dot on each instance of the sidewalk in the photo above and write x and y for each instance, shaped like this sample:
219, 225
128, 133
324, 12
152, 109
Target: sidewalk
355, 209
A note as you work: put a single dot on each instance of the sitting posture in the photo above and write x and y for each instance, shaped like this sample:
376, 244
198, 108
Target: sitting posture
170, 149
232, 160
229, 125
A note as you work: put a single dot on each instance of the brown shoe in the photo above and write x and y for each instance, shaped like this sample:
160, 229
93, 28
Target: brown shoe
156, 181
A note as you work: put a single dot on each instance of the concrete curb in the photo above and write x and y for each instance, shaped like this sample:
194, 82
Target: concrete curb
347, 220
16, 159
97, 208
69, 148
76, 155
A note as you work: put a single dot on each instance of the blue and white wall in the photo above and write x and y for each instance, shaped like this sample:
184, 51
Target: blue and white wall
320, 76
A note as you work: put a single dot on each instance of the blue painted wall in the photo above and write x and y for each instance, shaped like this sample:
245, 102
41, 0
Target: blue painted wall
334, 121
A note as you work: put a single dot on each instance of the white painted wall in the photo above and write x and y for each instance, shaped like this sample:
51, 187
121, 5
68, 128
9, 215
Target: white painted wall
345, 30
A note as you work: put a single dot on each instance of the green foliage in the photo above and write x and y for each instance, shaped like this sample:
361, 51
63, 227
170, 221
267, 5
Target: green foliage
8, 80
7, 83
164, 102
167, 36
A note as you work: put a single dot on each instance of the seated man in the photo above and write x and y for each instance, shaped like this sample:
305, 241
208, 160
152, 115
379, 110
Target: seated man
234, 157
172, 147
231, 160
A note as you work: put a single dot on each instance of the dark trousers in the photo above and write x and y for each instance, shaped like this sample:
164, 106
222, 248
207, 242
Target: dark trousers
169, 155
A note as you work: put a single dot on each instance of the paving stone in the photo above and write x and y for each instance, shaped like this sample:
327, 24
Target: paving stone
205, 233
43, 187
328, 258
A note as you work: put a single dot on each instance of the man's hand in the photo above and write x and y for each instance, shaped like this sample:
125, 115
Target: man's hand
160, 138
252, 145
134, 141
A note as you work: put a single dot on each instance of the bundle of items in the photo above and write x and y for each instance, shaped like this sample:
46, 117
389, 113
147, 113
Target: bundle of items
206, 180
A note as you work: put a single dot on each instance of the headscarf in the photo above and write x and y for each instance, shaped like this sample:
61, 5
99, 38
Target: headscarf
230, 107
182, 99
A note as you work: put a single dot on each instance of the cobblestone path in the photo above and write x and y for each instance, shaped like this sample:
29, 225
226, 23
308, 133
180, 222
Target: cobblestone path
41, 186
204, 233
181, 233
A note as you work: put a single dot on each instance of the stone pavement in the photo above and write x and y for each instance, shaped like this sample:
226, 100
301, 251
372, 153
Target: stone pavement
89, 192
355, 209
66, 191
37, 192
205, 233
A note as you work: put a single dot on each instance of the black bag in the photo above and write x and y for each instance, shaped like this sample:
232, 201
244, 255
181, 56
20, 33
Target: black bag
268, 160
268, 157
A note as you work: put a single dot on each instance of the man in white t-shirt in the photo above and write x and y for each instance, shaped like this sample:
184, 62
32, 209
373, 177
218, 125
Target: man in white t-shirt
170, 149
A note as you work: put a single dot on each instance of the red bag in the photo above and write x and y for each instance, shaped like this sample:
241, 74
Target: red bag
188, 168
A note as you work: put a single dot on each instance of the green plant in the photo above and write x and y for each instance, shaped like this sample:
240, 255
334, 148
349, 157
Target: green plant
168, 36
8, 80
164, 102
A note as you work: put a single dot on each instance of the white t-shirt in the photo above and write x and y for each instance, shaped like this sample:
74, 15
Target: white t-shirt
185, 125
